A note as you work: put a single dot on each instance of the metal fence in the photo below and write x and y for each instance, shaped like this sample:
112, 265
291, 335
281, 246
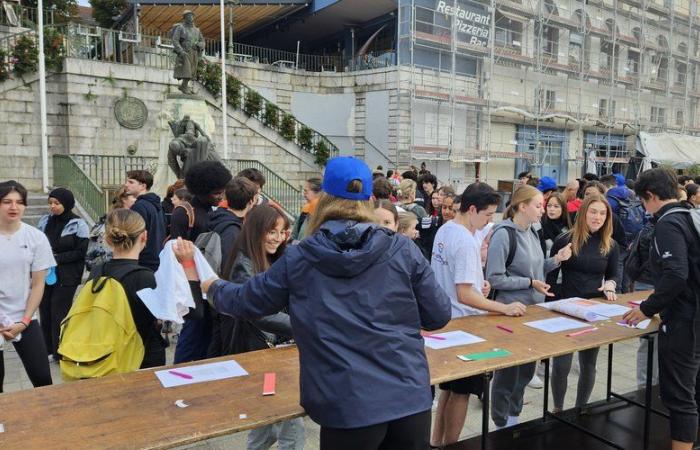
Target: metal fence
16, 15
67, 173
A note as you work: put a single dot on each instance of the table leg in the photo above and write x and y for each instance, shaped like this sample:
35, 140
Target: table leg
486, 404
647, 389
610, 361
545, 403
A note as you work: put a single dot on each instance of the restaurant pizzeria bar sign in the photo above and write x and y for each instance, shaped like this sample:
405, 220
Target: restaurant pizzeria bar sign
473, 23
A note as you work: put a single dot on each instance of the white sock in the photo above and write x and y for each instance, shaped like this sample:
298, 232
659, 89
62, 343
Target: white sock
512, 420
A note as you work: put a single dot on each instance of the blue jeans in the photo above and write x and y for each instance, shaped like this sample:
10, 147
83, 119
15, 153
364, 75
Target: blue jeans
194, 339
289, 435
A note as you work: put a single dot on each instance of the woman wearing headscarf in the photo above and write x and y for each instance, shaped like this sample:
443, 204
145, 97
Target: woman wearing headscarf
68, 235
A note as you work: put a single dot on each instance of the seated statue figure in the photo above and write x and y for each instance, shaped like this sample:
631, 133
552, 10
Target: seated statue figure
189, 146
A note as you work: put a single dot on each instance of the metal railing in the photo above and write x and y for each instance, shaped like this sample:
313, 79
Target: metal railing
7, 43
284, 123
109, 171
276, 188
67, 173
15, 15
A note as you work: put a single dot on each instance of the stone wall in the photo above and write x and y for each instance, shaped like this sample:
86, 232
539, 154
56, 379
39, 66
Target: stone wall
81, 120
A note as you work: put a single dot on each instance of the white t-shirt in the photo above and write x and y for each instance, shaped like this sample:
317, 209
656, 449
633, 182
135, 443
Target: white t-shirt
457, 260
26, 251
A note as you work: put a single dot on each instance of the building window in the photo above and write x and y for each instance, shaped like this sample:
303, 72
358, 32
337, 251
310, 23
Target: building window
544, 99
681, 70
679, 118
632, 62
606, 109
658, 115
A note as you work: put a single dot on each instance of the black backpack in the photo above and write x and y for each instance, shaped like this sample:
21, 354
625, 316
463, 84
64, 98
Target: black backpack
632, 214
637, 261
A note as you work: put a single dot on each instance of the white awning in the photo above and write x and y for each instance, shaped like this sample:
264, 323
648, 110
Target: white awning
677, 150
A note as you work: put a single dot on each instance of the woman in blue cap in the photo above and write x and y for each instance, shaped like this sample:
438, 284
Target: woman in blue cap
358, 295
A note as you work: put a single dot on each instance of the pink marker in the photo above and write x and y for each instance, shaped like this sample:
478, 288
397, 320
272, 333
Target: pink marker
439, 338
504, 328
579, 333
180, 374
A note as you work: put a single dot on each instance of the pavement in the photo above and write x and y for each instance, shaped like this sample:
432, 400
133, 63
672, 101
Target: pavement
624, 380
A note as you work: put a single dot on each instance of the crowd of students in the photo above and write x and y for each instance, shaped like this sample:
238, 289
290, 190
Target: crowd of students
372, 257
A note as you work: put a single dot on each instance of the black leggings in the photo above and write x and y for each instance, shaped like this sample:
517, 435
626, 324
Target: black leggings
407, 433
54, 308
32, 351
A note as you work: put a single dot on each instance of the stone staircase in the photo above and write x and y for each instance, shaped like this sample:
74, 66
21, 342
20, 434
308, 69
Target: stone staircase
36, 208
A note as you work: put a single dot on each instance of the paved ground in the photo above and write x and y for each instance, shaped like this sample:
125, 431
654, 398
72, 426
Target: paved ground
624, 373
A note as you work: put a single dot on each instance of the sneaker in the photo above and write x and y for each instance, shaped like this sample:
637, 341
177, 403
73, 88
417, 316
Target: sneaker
536, 382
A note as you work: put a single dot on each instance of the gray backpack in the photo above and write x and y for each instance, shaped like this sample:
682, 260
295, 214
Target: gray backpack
209, 244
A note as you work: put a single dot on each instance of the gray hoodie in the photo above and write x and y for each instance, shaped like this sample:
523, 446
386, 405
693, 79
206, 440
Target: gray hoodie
512, 285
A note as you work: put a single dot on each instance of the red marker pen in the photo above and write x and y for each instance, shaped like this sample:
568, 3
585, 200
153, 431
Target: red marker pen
504, 328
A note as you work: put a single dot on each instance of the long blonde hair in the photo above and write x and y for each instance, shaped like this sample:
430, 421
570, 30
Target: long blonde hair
122, 228
330, 207
524, 194
580, 232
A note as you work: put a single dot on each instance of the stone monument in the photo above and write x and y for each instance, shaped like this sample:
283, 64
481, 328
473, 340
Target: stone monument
184, 114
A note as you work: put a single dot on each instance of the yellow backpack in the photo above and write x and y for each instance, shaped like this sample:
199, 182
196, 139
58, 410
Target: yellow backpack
99, 336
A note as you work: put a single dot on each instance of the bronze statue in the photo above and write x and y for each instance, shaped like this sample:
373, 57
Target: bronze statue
188, 44
190, 145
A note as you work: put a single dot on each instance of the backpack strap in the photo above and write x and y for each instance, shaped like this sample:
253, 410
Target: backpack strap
119, 274
512, 246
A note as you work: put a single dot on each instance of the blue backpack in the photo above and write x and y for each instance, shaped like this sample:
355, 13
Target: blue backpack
632, 215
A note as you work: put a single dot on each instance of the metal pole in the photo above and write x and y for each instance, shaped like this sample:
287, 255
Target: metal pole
230, 30
296, 63
224, 114
42, 101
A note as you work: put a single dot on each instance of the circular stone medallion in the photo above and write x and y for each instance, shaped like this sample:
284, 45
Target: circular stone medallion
130, 112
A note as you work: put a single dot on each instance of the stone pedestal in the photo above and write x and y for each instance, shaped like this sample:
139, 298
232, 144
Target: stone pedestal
175, 107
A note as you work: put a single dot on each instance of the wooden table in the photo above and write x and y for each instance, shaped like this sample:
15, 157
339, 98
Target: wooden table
135, 411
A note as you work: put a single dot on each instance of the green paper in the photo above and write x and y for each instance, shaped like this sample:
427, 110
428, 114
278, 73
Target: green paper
495, 353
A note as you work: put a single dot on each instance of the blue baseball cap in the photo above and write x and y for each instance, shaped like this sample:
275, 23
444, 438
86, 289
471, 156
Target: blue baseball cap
342, 170
547, 184
619, 179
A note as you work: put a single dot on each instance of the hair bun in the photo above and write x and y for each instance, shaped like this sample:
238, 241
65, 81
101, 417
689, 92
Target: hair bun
117, 235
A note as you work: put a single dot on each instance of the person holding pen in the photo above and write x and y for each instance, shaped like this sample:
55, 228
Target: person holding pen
348, 286
674, 261
457, 265
516, 268
590, 272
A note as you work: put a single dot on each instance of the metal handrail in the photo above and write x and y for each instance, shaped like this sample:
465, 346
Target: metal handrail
25, 16
68, 174
109, 171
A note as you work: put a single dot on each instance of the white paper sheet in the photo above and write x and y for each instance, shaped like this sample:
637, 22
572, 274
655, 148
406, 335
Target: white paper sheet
590, 310
200, 373
172, 298
556, 324
448, 339
641, 325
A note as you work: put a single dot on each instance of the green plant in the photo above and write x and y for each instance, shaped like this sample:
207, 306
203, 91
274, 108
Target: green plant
233, 91
304, 137
104, 11
4, 68
90, 96
209, 75
54, 49
272, 115
287, 127
111, 80
693, 170
253, 103
321, 153
25, 56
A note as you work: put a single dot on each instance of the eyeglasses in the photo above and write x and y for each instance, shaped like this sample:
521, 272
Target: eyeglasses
274, 234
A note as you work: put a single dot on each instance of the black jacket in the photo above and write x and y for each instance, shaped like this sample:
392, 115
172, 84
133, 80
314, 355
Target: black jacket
148, 206
69, 250
674, 260
257, 334
180, 225
583, 274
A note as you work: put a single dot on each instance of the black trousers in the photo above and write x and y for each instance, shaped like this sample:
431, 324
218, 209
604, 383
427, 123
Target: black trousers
679, 380
54, 307
32, 352
408, 433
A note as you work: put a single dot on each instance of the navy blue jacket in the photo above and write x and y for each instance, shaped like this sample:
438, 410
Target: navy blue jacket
357, 296
148, 206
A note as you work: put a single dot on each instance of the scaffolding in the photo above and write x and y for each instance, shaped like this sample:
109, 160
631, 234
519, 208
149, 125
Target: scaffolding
549, 84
